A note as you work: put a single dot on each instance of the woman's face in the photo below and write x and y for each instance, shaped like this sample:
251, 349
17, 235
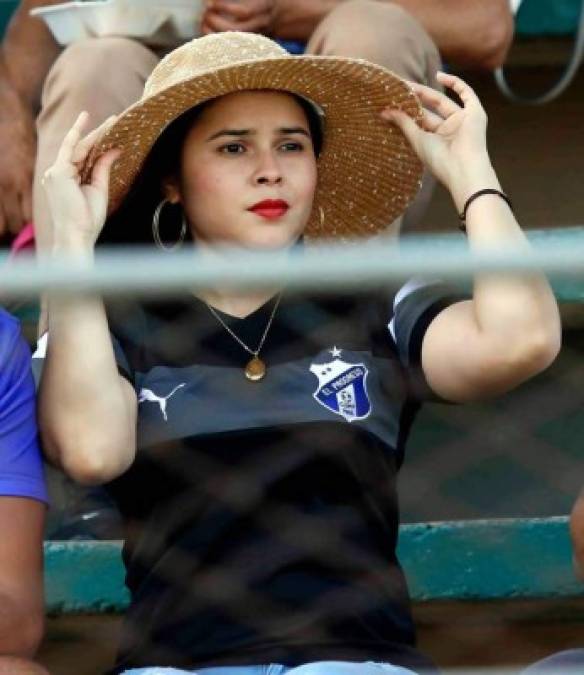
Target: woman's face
248, 172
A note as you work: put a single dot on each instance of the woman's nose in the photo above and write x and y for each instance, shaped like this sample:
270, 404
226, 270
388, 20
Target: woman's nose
268, 171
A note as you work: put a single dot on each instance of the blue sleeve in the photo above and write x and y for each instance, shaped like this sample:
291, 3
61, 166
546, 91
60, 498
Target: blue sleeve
21, 467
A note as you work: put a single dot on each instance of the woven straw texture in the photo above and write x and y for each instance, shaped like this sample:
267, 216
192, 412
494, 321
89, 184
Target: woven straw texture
368, 173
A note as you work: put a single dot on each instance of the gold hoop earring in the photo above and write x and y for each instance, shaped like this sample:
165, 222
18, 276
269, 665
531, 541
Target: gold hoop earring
322, 219
156, 229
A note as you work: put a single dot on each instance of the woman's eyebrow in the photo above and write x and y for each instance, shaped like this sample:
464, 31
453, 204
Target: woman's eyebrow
249, 132
293, 130
230, 132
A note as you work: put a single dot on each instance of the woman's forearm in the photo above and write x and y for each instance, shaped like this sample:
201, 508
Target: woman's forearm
517, 308
86, 411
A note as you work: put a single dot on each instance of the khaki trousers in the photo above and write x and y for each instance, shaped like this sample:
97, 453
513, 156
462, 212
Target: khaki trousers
105, 75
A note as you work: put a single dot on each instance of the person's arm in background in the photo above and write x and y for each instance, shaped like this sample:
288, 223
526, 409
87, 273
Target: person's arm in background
23, 499
577, 532
468, 33
27, 52
21, 576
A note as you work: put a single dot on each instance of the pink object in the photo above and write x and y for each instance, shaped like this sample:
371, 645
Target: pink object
24, 242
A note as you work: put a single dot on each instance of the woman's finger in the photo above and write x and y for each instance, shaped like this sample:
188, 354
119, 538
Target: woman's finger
430, 121
71, 139
406, 124
102, 169
435, 100
464, 91
85, 144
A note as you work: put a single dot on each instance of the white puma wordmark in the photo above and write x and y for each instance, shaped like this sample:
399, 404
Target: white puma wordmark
149, 395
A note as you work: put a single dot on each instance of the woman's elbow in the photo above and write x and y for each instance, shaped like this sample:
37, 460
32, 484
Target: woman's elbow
89, 461
508, 363
533, 354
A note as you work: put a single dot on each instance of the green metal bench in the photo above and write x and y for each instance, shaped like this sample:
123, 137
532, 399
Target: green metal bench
468, 560
542, 17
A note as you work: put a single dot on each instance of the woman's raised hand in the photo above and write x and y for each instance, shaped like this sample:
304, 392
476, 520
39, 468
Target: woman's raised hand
451, 139
79, 210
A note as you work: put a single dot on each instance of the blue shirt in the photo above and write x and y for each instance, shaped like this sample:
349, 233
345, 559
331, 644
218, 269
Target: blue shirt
21, 468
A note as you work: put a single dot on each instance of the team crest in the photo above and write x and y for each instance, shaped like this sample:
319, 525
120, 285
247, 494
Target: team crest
342, 387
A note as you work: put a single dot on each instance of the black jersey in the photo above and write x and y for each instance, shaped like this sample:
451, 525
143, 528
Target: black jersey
262, 518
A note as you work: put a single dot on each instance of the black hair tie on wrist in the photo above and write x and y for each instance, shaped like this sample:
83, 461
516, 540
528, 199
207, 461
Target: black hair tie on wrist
476, 195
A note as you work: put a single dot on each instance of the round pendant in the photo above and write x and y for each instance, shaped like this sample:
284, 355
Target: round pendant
255, 370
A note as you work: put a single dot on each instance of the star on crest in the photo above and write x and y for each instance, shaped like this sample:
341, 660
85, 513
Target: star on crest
336, 352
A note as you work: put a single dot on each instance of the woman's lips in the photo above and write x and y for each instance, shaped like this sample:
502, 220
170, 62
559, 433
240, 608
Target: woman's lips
270, 208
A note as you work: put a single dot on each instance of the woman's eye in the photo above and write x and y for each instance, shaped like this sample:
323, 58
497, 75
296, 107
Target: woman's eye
232, 149
292, 146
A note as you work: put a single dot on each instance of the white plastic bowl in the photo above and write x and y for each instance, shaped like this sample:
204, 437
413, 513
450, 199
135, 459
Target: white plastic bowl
159, 23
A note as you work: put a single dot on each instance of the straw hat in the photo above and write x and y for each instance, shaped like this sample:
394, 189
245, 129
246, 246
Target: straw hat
367, 171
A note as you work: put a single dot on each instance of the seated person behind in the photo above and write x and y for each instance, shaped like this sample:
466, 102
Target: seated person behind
406, 36
23, 500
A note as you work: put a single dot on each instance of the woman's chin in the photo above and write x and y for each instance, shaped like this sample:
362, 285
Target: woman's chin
269, 240
265, 237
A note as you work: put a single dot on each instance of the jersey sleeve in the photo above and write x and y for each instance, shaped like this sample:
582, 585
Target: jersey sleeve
21, 467
126, 324
416, 304
122, 361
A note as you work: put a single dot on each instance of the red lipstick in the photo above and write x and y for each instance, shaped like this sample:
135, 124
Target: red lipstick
270, 208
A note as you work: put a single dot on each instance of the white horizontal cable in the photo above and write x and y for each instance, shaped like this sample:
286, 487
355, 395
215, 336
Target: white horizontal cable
149, 272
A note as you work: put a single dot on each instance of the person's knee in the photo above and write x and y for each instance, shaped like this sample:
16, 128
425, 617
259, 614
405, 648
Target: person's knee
383, 33
91, 64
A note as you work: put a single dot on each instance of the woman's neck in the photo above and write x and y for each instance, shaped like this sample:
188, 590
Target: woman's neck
234, 301
240, 304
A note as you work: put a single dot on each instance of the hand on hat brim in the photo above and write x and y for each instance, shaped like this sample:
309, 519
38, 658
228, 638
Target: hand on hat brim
450, 138
91, 140
78, 207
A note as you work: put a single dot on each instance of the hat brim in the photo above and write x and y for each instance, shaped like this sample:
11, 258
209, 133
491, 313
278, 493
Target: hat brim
367, 171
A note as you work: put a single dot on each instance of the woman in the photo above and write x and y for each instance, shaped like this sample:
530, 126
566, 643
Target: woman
252, 439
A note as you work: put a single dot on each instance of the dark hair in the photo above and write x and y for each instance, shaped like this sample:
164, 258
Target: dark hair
131, 222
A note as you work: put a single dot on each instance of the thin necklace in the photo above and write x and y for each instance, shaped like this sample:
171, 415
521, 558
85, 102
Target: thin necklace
255, 370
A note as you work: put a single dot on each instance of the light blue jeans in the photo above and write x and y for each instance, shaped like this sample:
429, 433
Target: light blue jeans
320, 668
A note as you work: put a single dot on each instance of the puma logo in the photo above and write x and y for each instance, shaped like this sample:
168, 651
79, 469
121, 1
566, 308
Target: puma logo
150, 396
